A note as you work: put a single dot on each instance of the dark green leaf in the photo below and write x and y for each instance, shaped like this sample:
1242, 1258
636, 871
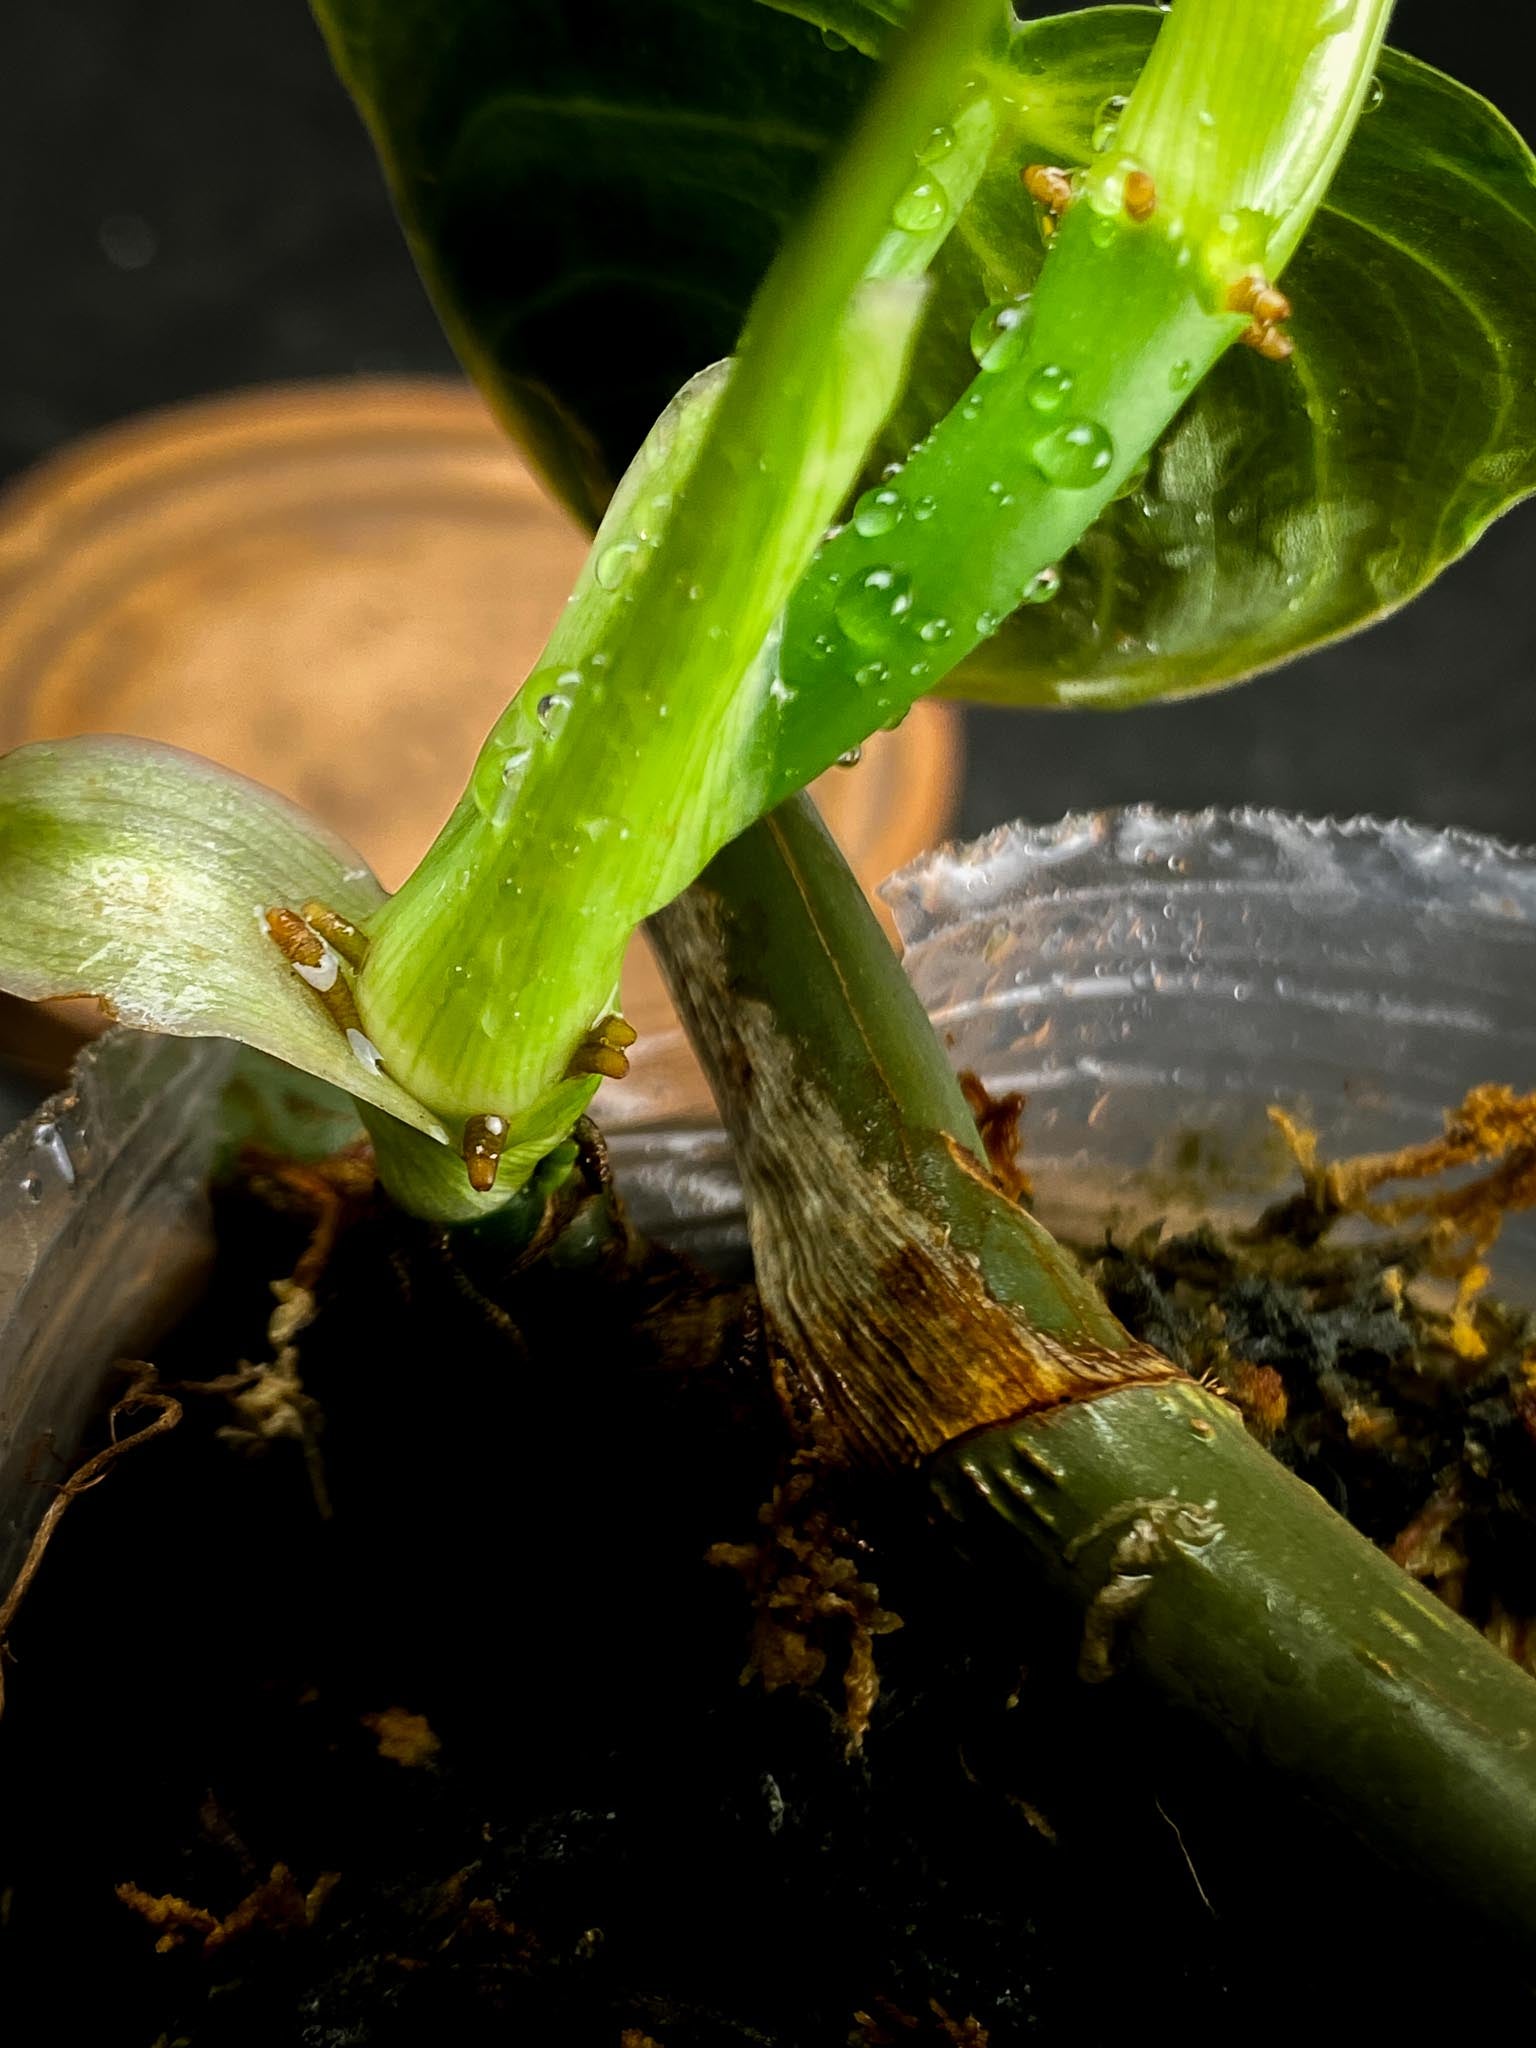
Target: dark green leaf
596, 196
594, 192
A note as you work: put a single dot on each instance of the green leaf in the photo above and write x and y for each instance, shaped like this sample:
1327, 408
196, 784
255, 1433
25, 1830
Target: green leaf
1294, 503
593, 194
139, 874
594, 209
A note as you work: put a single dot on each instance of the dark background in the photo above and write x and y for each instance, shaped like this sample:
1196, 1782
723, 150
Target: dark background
191, 206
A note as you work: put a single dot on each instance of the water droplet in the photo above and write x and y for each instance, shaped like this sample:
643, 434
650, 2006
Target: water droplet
1133, 483
925, 507
1181, 376
1000, 332
553, 709
937, 145
871, 673
1375, 93
1074, 455
1106, 121
1042, 586
615, 563
871, 602
935, 630
987, 622
833, 40
922, 207
364, 1051
877, 512
851, 759
1049, 387
49, 1140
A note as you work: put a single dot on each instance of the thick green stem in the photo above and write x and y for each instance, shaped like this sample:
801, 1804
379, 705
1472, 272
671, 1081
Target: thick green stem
701, 674
1222, 155
622, 766
912, 1301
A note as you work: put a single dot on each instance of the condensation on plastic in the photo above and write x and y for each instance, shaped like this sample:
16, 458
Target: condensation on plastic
103, 1231
1152, 983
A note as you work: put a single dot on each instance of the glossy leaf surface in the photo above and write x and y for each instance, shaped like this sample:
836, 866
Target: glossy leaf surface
595, 206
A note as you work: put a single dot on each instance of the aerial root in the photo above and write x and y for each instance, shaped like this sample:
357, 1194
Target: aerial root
143, 1393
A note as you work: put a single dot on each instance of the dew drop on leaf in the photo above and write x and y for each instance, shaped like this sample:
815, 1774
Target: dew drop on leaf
851, 759
1181, 376
553, 709
870, 674
1043, 586
1074, 455
1106, 121
935, 630
877, 512
1049, 387
937, 144
921, 208
870, 604
615, 563
1375, 93
1000, 331
924, 507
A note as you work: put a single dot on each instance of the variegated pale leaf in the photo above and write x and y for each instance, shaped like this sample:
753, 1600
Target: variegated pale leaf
138, 874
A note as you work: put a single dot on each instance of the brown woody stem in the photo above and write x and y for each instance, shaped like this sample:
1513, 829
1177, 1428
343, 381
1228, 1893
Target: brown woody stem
922, 1317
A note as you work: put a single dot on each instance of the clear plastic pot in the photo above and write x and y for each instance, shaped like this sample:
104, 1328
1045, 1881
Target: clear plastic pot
1153, 983
103, 1234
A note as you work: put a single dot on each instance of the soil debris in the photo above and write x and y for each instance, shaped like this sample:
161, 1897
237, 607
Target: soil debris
278, 1905
1379, 1370
809, 1602
403, 1737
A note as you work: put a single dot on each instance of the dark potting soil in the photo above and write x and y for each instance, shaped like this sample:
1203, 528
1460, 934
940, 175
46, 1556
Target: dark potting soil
397, 1700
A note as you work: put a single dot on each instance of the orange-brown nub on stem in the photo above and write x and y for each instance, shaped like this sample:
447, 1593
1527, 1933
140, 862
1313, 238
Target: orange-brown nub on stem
315, 962
1139, 195
1049, 186
1269, 342
348, 939
299, 946
602, 1051
485, 1139
1271, 305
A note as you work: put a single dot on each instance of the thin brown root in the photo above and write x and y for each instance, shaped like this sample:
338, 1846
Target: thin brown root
277, 1906
1189, 1861
143, 1393
1493, 1128
998, 1119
